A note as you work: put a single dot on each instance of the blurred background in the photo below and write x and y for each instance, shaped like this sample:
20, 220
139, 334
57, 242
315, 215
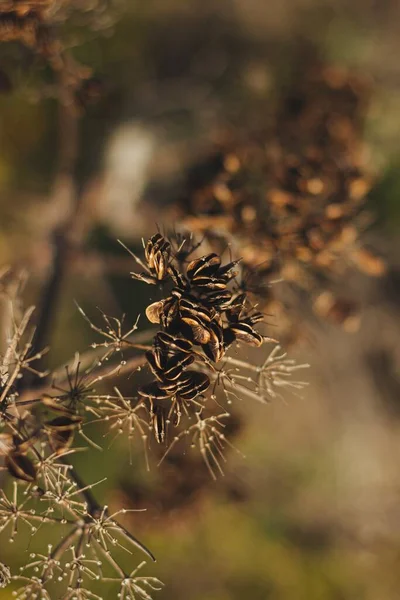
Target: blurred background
313, 510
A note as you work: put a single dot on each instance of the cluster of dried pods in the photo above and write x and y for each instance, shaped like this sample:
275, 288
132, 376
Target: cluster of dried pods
203, 311
45, 490
290, 201
203, 314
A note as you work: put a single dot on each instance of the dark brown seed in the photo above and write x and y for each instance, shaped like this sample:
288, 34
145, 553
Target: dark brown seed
244, 332
215, 349
153, 311
64, 423
229, 337
61, 440
169, 386
206, 265
178, 279
201, 334
227, 271
236, 307
169, 343
210, 283
153, 391
169, 313
176, 365
193, 383
159, 423
156, 363
21, 467
219, 298
189, 307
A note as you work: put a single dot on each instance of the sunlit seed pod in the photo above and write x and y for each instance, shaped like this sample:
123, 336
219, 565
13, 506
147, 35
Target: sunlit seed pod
172, 344
256, 317
210, 283
244, 332
236, 307
155, 245
219, 299
200, 333
215, 349
187, 307
160, 265
193, 383
169, 313
21, 467
60, 440
67, 423
159, 423
153, 391
177, 277
153, 360
176, 365
206, 265
154, 310
228, 271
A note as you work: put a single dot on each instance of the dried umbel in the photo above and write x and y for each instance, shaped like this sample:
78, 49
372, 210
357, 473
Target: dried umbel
41, 488
202, 315
289, 200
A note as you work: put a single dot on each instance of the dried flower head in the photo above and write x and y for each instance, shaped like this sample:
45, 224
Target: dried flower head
202, 315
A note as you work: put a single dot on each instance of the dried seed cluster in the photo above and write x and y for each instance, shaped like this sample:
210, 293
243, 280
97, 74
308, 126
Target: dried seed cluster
203, 313
291, 198
35, 443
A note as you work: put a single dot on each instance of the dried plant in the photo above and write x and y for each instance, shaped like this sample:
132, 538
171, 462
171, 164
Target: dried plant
289, 199
202, 317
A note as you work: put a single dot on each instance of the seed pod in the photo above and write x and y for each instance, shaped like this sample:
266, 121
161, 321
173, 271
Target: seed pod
154, 311
21, 467
156, 363
156, 245
210, 283
153, 391
236, 308
192, 384
227, 271
171, 344
219, 299
169, 313
199, 331
176, 365
215, 349
158, 419
61, 431
178, 279
204, 266
244, 332
189, 306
